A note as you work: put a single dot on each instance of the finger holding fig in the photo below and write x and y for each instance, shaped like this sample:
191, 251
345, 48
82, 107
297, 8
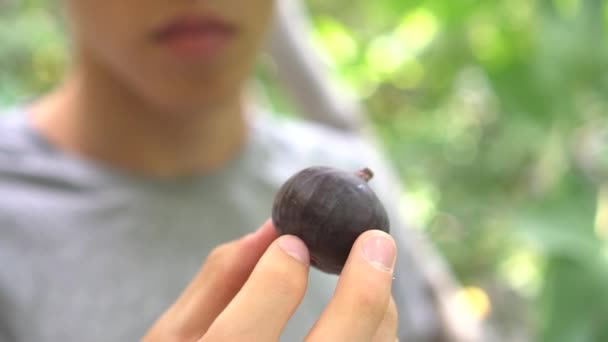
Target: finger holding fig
328, 209
361, 308
274, 290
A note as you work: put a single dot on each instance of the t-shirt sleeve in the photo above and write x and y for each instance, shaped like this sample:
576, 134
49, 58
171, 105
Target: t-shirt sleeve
6, 332
5, 335
6, 305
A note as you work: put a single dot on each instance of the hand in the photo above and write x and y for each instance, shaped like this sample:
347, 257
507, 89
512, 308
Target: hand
248, 289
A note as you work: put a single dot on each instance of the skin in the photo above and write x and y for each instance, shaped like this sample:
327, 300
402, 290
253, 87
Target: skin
171, 117
248, 289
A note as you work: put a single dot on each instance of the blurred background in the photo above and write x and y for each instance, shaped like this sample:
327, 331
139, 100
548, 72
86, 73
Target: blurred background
494, 114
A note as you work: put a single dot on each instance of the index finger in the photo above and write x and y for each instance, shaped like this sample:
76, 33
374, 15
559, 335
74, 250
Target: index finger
275, 288
218, 281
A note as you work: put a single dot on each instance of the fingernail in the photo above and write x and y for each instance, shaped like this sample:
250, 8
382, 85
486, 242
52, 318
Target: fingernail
380, 251
295, 247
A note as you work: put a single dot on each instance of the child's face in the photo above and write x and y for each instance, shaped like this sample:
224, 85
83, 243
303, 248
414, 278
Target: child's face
177, 55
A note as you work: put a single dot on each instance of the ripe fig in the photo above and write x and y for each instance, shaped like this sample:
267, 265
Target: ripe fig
328, 209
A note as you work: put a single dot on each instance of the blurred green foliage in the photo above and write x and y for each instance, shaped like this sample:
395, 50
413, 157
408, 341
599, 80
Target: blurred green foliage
494, 113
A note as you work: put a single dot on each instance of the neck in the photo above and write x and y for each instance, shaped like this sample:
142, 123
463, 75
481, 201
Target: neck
98, 118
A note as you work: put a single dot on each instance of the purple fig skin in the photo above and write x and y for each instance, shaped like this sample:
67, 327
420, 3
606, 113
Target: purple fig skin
328, 209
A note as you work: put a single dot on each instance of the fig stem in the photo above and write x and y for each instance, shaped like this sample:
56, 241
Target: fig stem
366, 174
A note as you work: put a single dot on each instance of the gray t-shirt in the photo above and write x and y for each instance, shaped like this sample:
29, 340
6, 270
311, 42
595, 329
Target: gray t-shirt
92, 253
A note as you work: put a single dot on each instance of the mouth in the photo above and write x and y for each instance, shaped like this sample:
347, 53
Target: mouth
196, 37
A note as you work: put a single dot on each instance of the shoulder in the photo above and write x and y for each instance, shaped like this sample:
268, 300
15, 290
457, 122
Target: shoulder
304, 143
19, 148
288, 145
13, 131
23, 155
13, 150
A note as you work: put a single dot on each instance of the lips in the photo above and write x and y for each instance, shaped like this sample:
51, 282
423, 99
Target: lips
196, 37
